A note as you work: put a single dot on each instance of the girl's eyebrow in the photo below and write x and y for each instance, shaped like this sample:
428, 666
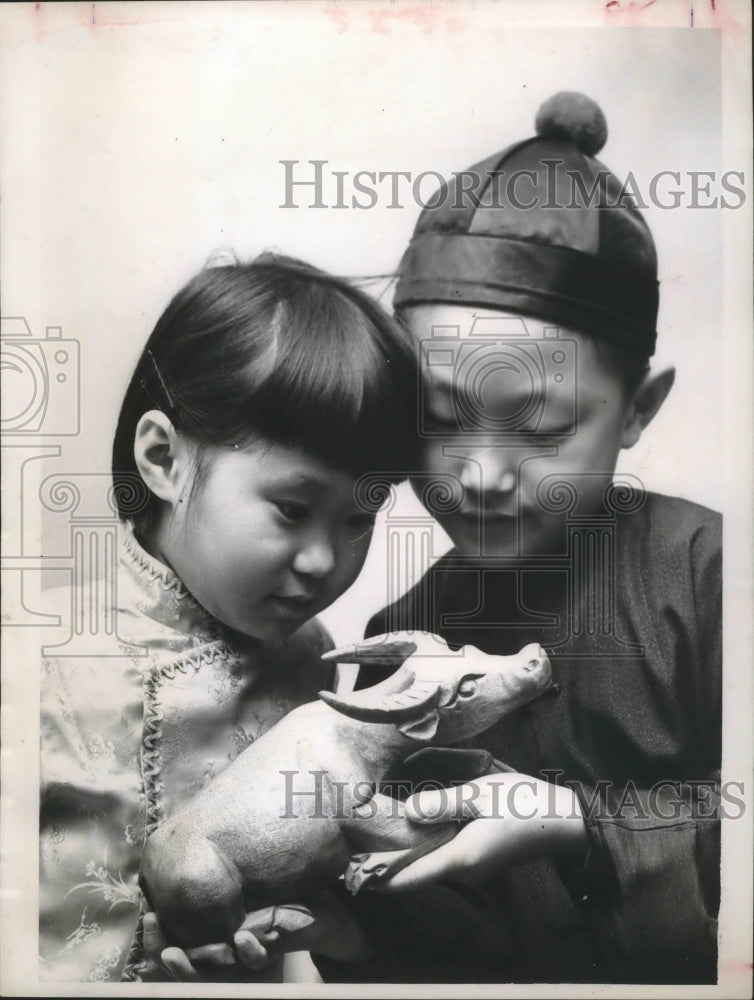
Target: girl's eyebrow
300, 480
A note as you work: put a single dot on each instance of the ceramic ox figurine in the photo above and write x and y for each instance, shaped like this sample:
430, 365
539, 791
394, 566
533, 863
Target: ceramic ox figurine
283, 820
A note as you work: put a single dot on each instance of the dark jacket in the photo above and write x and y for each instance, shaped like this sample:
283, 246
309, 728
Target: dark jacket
632, 622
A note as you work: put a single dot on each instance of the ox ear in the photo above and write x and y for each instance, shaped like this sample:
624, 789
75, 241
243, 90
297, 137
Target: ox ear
421, 727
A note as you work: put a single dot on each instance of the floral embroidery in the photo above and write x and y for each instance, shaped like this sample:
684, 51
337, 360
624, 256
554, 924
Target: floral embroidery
99, 972
242, 739
99, 749
84, 932
95, 750
114, 890
132, 837
64, 708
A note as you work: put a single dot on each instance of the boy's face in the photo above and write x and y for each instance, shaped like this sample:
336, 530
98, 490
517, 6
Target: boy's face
266, 537
521, 419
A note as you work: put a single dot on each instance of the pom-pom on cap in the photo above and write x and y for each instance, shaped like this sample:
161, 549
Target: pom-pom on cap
574, 117
542, 229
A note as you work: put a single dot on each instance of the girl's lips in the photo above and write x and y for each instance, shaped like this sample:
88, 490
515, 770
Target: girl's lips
291, 607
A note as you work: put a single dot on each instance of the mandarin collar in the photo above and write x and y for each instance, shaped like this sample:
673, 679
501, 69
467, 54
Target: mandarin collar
161, 595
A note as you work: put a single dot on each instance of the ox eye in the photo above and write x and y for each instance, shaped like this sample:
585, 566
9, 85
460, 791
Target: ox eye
468, 685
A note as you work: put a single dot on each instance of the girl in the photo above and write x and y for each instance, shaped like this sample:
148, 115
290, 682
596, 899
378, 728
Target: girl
264, 392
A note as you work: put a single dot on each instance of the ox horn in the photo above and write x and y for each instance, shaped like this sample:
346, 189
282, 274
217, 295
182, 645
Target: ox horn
372, 705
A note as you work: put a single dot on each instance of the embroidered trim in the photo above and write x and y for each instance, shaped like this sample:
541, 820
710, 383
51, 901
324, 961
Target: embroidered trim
155, 571
203, 656
151, 753
151, 758
151, 762
135, 961
151, 766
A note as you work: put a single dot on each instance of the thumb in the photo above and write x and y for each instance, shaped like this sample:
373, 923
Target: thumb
443, 863
291, 918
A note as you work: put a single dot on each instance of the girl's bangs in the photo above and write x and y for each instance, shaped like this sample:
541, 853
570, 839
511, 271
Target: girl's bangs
340, 387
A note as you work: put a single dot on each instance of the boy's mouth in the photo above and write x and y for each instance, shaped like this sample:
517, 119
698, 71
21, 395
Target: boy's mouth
480, 514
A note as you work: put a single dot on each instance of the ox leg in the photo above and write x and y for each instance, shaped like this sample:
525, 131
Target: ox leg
385, 841
196, 894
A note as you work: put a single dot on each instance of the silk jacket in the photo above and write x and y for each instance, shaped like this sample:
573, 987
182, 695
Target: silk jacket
125, 740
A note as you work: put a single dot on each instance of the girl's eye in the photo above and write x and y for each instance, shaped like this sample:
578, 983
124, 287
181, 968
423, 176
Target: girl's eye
293, 512
440, 424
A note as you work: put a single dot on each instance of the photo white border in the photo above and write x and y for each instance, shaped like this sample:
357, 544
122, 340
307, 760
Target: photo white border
20, 698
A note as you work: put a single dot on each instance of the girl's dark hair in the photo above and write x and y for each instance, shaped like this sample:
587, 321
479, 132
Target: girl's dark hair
278, 350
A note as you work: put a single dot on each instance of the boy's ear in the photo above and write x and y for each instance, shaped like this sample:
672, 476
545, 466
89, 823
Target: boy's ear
645, 402
161, 455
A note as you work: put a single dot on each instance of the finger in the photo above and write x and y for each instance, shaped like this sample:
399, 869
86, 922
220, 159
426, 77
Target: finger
249, 950
176, 962
444, 805
259, 922
215, 954
292, 918
447, 862
153, 938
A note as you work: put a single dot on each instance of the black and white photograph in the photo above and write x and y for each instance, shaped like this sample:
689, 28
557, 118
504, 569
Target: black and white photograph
377, 439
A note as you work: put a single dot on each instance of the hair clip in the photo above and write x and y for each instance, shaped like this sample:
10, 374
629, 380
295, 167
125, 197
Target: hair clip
162, 381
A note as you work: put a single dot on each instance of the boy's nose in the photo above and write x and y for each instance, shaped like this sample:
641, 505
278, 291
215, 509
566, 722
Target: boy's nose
487, 472
317, 558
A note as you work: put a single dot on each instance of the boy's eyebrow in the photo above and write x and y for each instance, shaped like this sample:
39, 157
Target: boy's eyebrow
550, 417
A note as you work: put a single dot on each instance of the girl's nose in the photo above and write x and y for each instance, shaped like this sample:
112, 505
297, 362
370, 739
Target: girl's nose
316, 558
489, 471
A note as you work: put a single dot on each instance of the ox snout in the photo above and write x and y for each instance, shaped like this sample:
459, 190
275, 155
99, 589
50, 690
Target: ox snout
535, 670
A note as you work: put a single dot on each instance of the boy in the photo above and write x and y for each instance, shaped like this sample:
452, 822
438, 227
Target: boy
531, 293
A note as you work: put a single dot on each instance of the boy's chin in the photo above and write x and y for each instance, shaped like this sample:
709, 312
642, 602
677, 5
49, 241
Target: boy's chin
504, 540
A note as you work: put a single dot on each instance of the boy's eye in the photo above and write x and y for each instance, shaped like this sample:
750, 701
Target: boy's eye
541, 438
292, 511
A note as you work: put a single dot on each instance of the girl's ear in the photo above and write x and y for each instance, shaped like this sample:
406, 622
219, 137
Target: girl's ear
162, 456
645, 402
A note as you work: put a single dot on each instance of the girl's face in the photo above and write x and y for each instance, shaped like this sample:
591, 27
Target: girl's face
264, 536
